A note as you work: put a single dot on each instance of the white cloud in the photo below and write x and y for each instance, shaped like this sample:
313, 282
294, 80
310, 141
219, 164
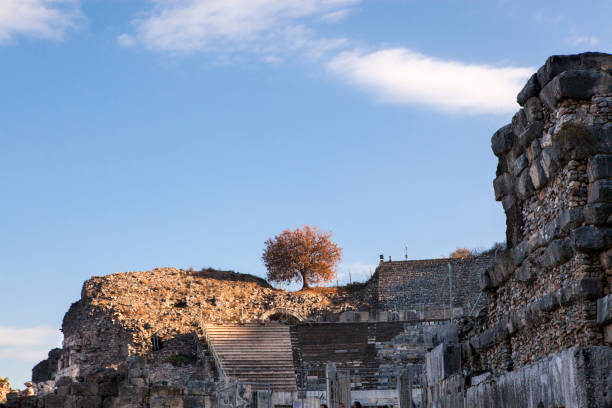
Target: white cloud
336, 16
28, 344
47, 19
186, 26
403, 76
126, 40
583, 40
272, 59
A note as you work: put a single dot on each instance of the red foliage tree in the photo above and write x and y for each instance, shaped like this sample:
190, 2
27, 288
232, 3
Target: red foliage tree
307, 254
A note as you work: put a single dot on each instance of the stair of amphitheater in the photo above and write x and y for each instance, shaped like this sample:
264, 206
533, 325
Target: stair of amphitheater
255, 353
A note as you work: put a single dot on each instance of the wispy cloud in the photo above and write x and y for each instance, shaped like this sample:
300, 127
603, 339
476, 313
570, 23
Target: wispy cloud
583, 40
337, 16
402, 76
28, 344
274, 30
45, 19
185, 26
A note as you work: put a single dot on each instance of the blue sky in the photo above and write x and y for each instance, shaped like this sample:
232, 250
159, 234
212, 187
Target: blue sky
146, 133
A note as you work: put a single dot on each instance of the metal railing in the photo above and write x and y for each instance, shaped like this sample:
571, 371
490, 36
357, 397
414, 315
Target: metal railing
220, 371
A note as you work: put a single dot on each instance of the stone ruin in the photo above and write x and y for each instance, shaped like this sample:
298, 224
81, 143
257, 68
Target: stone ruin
547, 338
170, 337
525, 326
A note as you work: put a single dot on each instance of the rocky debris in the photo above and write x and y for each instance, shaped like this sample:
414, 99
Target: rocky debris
135, 313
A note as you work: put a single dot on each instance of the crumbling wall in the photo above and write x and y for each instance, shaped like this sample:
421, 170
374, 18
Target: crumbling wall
127, 386
554, 179
545, 340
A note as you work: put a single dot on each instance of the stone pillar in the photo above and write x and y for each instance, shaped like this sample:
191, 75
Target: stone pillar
344, 389
404, 389
332, 385
338, 387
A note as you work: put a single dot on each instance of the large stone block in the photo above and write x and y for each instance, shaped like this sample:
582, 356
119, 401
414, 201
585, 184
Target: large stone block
520, 252
600, 191
531, 133
569, 219
519, 164
108, 389
599, 213
193, 401
438, 334
533, 109
199, 388
502, 140
519, 122
54, 401
590, 238
122, 402
30, 402
576, 84
126, 389
165, 390
538, 176
525, 185
608, 334
442, 362
83, 389
604, 310
600, 167
558, 252
64, 380
166, 402
502, 186
558, 63
531, 89
548, 162
88, 402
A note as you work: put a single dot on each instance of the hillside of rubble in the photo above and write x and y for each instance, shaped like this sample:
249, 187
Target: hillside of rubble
118, 315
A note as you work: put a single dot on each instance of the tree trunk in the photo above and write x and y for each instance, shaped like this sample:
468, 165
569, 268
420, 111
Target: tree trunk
304, 284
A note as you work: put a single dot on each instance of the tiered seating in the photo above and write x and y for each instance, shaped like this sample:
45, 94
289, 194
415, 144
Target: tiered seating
347, 344
255, 353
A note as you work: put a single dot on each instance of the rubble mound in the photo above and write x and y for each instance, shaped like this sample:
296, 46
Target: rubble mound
122, 314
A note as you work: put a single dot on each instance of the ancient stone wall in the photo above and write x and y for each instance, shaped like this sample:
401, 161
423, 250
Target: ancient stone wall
554, 179
128, 386
549, 314
421, 285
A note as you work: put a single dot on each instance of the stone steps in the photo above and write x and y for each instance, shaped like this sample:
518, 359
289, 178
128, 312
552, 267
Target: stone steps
255, 353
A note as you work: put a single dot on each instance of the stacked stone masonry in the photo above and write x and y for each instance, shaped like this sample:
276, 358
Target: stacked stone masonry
425, 284
550, 290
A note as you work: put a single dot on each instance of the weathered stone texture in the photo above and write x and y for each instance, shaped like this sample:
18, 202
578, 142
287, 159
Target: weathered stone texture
557, 174
424, 284
550, 290
119, 316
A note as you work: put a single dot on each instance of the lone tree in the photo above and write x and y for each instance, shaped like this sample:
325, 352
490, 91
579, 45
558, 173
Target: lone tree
307, 254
